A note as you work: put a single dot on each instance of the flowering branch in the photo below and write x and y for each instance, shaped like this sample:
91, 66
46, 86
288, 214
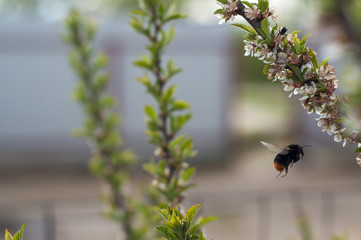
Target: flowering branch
171, 173
295, 65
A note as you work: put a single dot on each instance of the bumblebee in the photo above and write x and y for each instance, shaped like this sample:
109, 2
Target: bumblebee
286, 156
283, 30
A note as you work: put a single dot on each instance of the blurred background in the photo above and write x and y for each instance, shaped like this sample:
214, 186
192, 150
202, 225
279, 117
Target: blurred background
44, 181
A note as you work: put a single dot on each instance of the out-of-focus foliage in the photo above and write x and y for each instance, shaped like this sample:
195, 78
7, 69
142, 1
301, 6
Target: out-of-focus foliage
344, 17
171, 173
344, 13
305, 228
24, 6
101, 128
20, 9
17, 236
176, 226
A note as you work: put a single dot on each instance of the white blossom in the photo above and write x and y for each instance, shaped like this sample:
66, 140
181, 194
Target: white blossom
288, 85
304, 97
250, 48
166, 172
326, 72
358, 159
318, 110
306, 66
333, 128
252, 13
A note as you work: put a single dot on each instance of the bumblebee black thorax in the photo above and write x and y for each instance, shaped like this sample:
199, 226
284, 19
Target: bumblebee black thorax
291, 153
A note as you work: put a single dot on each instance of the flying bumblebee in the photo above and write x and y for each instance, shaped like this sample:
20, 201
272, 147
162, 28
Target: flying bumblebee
286, 156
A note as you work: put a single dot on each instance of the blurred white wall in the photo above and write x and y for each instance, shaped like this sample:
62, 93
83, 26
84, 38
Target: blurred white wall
37, 113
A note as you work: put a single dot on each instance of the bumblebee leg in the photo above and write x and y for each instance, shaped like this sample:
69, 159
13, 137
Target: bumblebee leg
286, 171
292, 163
279, 174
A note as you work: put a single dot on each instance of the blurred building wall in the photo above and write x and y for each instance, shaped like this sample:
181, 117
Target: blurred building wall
36, 85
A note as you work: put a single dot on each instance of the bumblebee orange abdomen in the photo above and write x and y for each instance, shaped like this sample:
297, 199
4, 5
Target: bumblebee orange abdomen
278, 166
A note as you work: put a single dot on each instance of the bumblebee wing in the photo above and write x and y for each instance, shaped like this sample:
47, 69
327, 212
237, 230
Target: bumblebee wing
272, 148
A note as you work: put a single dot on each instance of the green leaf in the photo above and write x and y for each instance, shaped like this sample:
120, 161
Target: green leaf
218, 11
186, 149
358, 150
163, 213
150, 112
266, 29
111, 140
177, 141
263, 5
19, 234
111, 121
205, 220
168, 95
89, 125
160, 167
177, 122
266, 68
250, 37
124, 157
179, 105
161, 11
173, 234
152, 125
246, 28
304, 41
175, 227
295, 32
144, 62
106, 101
138, 12
186, 144
91, 29
97, 165
176, 217
222, 1
169, 35
155, 138
191, 212
325, 61
8, 235
314, 58
296, 70
151, 88
150, 168
201, 237
137, 25
188, 173
144, 79
248, 4
174, 17
171, 69
193, 229
296, 45
101, 80
101, 61
79, 94
164, 231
